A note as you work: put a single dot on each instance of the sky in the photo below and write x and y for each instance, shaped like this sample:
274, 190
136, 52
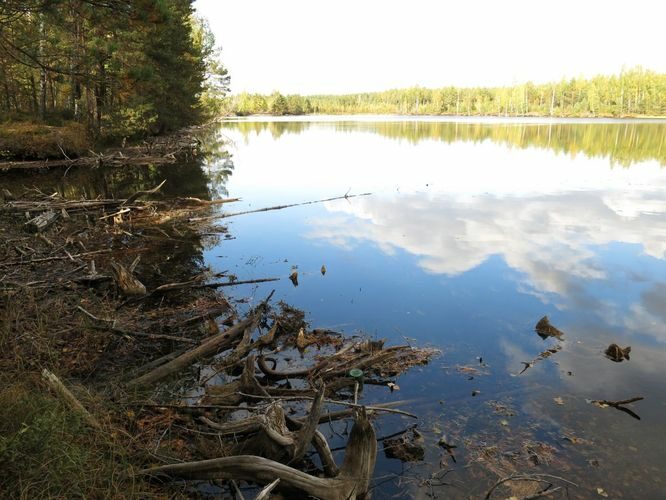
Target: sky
345, 46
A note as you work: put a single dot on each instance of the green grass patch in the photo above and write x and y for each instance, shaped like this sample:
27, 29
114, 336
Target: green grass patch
47, 451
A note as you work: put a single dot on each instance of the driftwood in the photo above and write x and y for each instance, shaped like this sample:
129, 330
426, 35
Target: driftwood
351, 483
41, 222
277, 207
59, 388
246, 346
279, 437
265, 493
139, 194
237, 391
208, 347
126, 281
111, 160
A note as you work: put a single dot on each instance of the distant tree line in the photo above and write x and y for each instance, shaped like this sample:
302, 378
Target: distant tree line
634, 92
275, 104
120, 67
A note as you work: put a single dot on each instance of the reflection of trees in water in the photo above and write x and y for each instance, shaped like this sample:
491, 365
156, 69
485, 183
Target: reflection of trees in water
184, 178
203, 176
623, 143
276, 129
218, 174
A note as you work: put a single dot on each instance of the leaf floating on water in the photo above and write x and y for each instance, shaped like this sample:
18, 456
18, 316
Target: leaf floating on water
544, 329
323, 270
602, 493
559, 400
294, 278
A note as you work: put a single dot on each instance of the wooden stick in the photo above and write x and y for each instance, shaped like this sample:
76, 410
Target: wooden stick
277, 207
138, 194
59, 388
48, 259
209, 347
266, 492
335, 402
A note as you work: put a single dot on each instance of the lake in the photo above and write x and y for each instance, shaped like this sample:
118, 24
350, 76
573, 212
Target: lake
473, 231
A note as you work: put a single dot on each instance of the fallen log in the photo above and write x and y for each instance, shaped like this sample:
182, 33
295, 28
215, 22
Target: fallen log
209, 347
351, 483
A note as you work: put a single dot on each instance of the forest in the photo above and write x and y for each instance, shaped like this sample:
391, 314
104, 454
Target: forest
634, 92
116, 68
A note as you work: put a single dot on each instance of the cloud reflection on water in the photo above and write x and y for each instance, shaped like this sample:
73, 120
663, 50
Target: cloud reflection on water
552, 240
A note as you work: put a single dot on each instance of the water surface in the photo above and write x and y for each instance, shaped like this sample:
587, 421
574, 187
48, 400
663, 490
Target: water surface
474, 231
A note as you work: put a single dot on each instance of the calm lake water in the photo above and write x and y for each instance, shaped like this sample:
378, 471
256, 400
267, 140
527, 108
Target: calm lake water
474, 230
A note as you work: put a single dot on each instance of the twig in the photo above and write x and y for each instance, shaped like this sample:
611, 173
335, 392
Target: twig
277, 207
48, 259
618, 405
265, 493
142, 193
334, 402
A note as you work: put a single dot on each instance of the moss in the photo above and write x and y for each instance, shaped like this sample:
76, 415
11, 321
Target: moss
29, 140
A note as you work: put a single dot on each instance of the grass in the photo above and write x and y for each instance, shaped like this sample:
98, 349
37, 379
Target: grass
47, 451
30, 140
